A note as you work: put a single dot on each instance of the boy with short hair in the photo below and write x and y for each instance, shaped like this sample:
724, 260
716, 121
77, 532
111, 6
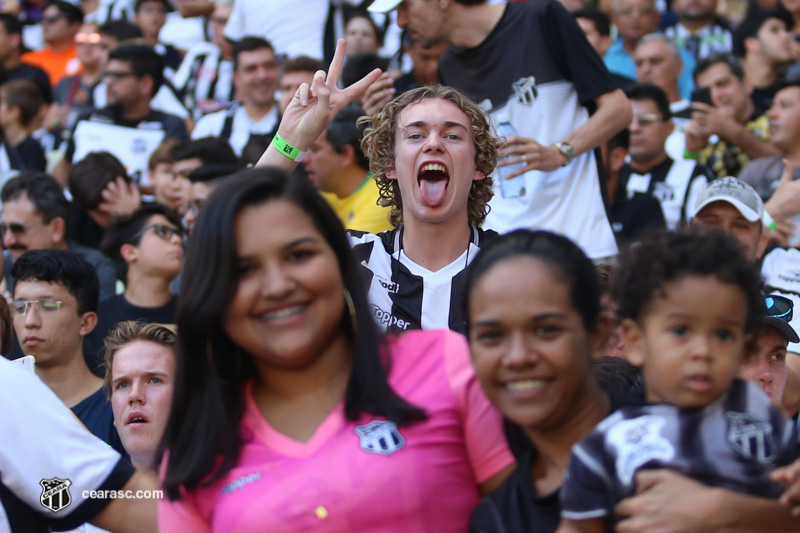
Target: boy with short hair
20, 102
688, 303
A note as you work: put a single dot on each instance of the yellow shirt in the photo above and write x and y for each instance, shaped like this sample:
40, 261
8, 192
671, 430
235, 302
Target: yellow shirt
360, 210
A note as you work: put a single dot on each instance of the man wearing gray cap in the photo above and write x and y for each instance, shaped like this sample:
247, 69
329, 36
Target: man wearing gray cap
731, 205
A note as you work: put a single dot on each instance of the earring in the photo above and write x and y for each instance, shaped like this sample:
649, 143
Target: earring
352, 309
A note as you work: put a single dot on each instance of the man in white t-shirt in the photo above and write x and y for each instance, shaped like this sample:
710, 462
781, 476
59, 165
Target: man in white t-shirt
255, 76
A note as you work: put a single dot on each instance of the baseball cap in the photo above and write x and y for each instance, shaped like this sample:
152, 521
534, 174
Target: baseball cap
735, 192
384, 6
780, 312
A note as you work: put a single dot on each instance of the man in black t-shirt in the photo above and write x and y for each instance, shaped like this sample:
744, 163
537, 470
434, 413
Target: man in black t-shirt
128, 128
11, 67
54, 308
147, 249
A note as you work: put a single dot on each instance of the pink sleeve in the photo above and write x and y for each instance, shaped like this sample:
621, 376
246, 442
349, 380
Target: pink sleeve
483, 424
180, 515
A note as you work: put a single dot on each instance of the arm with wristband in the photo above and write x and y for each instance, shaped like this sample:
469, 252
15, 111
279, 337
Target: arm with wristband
311, 110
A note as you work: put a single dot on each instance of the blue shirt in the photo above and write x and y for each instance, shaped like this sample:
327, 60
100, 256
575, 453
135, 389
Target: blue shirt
620, 62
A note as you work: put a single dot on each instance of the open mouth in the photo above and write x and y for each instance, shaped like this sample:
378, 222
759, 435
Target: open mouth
433, 179
137, 419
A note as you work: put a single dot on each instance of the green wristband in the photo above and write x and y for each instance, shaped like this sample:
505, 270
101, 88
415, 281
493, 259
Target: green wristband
768, 221
287, 149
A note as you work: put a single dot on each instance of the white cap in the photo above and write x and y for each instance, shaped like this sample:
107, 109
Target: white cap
735, 192
384, 6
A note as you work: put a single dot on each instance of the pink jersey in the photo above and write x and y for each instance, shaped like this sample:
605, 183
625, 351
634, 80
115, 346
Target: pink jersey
368, 475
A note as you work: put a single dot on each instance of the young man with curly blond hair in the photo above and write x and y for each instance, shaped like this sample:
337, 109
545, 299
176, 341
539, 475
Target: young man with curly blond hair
431, 151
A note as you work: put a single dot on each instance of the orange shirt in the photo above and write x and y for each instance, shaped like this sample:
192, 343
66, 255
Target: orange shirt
57, 63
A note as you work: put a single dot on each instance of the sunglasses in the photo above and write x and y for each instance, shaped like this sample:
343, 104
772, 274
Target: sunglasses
52, 19
161, 230
116, 76
779, 307
16, 228
647, 118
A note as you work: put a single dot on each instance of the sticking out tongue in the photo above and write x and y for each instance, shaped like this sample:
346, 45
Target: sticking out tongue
432, 191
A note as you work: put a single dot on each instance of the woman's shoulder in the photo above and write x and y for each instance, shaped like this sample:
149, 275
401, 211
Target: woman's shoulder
428, 354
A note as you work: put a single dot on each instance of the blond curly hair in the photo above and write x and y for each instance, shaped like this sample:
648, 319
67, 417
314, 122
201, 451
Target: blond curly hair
378, 146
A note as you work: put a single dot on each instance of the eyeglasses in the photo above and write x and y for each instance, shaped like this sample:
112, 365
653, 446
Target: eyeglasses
116, 76
43, 305
647, 118
161, 230
779, 307
640, 11
18, 229
87, 38
52, 19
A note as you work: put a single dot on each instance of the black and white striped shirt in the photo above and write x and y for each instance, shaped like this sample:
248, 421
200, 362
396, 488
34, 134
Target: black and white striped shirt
204, 80
734, 443
403, 295
675, 184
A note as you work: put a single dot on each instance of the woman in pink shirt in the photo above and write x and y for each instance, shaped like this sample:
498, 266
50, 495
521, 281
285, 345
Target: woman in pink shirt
290, 412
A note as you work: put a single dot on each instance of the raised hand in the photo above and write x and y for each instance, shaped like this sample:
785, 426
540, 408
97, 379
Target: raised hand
314, 107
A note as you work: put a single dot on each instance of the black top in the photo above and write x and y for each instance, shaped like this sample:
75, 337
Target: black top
32, 155
539, 39
762, 97
633, 218
95, 413
515, 506
118, 309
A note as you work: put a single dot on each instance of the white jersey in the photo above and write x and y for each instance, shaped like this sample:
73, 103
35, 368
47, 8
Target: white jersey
48, 460
235, 126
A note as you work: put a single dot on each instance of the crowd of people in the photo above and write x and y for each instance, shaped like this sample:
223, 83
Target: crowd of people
399, 265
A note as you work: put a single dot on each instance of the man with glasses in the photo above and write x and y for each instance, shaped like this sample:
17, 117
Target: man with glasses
128, 128
255, 76
54, 308
147, 249
60, 23
675, 184
34, 217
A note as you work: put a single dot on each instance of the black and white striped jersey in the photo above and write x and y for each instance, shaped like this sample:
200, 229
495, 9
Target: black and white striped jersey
108, 10
49, 462
235, 126
675, 184
403, 295
204, 80
734, 443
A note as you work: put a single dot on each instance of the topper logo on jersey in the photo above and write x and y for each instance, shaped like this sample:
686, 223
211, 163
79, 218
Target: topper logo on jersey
638, 441
381, 437
385, 317
525, 90
751, 437
55, 494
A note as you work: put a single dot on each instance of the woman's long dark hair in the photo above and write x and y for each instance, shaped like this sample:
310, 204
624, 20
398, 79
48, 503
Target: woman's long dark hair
202, 435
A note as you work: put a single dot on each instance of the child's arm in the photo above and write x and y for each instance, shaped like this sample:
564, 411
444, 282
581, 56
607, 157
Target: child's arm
668, 501
582, 526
